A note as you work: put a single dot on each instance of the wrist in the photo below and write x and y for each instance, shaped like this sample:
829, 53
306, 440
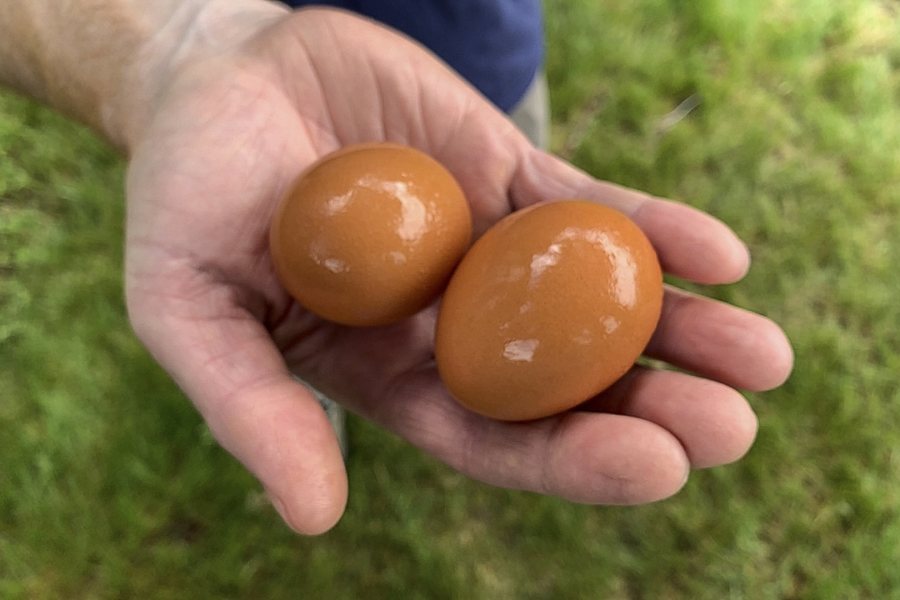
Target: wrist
194, 31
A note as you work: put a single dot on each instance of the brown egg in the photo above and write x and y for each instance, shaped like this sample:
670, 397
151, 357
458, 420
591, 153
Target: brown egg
370, 234
550, 307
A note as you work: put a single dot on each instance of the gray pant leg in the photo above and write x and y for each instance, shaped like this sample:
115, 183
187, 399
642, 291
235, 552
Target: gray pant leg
532, 114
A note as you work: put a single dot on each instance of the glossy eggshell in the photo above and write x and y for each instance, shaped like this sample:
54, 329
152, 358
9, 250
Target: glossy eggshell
550, 307
370, 234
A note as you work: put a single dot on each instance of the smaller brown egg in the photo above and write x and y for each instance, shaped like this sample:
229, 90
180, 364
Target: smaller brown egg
548, 308
370, 234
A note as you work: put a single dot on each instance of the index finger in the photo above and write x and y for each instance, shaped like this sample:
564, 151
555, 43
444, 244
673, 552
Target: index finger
690, 243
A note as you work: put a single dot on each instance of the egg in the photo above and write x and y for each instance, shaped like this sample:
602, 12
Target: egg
370, 234
548, 308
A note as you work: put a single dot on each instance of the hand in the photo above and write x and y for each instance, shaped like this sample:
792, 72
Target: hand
231, 130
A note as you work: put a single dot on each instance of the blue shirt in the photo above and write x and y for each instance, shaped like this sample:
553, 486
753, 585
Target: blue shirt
497, 45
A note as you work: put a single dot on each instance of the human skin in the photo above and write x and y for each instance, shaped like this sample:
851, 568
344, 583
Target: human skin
218, 105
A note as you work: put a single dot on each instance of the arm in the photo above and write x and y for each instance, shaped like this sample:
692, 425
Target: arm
103, 62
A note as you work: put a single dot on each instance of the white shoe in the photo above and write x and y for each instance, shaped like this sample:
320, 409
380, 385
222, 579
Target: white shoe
338, 417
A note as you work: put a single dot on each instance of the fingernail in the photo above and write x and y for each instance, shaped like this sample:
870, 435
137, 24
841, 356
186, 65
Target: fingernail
281, 509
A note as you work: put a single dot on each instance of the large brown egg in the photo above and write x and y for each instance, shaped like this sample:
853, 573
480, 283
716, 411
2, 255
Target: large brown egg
370, 234
550, 307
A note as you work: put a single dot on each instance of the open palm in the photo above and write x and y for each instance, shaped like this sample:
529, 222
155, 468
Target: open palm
233, 131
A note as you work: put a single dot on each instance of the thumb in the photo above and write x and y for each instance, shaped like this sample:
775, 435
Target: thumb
225, 361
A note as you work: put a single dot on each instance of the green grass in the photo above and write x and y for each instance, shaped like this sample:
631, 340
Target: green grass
111, 487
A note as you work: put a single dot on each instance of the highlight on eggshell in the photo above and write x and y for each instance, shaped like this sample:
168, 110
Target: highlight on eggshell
370, 234
548, 308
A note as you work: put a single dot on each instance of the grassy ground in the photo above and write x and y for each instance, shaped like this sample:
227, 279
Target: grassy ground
110, 486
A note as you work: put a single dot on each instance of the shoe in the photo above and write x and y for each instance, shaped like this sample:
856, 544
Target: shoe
337, 416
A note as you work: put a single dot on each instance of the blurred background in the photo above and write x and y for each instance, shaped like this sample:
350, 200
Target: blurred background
781, 117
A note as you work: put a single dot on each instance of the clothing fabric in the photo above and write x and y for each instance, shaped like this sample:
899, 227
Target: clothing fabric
497, 45
532, 114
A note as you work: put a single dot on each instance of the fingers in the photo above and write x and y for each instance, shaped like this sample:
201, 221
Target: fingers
583, 457
713, 422
690, 243
633, 444
226, 363
721, 342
